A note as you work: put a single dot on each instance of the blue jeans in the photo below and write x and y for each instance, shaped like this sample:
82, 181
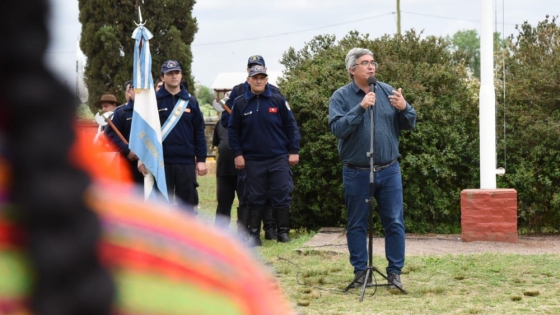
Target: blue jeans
389, 196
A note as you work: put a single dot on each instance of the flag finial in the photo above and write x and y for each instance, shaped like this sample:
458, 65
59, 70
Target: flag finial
140, 21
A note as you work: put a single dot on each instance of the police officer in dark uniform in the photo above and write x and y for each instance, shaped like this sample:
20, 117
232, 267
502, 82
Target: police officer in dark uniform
264, 138
184, 148
226, 177
122, 120
268, 217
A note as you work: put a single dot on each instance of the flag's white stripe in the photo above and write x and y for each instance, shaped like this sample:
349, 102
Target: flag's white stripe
149, 186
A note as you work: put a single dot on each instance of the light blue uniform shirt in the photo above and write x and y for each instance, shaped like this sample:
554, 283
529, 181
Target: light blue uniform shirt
350, 123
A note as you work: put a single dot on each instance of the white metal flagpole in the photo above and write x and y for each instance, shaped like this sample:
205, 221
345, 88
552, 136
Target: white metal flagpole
487, 105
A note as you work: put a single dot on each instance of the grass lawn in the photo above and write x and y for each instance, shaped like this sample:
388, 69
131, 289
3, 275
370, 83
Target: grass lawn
449, 284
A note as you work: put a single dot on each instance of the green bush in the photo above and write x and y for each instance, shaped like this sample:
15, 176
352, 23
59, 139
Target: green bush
532, 109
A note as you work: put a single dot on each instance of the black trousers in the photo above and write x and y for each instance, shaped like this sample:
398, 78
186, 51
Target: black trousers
226, 189
181, 185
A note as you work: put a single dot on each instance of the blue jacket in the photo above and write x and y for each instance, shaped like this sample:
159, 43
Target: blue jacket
122, 119
187, 139
237, 91
263, 128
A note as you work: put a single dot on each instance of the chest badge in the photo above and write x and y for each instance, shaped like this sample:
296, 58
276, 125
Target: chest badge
273, 110
177, 111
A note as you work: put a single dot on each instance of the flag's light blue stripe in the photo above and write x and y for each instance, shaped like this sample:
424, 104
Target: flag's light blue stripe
142, 76
145, 143
148, 83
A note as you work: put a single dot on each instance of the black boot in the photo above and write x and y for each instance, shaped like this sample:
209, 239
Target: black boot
268, 223
242, 221
255, 215
283, 221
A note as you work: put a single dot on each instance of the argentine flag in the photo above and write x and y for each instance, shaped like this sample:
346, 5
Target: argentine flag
145, 133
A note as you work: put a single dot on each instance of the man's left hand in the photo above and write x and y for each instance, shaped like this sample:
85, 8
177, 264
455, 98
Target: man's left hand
201, 168
293, 159
397, 100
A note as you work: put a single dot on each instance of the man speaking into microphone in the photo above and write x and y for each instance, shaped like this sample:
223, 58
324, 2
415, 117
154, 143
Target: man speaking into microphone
350, 108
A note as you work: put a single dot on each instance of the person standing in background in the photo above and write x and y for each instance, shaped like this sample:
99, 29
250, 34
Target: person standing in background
122, 120
268, 216
107, 104
226, 178
184, 144
264, 138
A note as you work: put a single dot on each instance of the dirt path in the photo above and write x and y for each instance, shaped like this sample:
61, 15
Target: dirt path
334, 239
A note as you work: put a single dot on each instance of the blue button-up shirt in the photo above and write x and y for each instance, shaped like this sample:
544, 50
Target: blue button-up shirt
351, 124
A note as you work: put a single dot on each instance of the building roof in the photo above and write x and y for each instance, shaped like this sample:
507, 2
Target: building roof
227, 80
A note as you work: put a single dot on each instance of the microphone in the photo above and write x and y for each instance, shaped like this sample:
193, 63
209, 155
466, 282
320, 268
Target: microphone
372, 81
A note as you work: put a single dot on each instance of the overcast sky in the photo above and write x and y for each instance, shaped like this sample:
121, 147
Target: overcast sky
231, 31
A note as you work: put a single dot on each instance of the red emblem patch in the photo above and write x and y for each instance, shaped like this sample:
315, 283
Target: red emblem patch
273, 110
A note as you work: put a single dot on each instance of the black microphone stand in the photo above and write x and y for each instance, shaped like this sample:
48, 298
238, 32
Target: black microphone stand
371, 268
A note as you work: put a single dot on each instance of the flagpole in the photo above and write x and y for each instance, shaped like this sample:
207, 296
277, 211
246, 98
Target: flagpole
115, 129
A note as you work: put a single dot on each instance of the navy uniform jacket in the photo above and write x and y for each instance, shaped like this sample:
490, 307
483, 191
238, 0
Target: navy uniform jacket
224, 119
263, 128
122, 119
187, 139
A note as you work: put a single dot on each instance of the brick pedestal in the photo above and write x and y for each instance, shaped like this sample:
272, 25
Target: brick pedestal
489, 215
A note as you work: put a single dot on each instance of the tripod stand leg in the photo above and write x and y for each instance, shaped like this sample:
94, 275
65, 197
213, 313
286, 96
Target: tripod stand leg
364, 276
368, 275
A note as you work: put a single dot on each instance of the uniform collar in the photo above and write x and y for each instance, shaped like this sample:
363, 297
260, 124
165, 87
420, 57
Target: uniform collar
163, 92
265, 93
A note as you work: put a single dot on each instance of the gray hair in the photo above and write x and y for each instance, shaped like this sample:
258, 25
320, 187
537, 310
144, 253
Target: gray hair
352, 57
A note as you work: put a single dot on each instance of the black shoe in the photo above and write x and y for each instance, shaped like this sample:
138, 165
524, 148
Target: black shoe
394, 281
254, 241
270, 234
359, 281
283, 238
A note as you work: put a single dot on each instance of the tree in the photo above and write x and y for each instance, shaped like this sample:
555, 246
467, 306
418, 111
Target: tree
532, 109
106, 40
469, 42
439, 158
204, 94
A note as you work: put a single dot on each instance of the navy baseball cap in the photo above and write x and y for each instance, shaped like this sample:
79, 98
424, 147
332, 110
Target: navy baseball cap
257, 70
255, 60
170, 65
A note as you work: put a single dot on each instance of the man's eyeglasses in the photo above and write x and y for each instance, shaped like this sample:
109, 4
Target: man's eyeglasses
366, 63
